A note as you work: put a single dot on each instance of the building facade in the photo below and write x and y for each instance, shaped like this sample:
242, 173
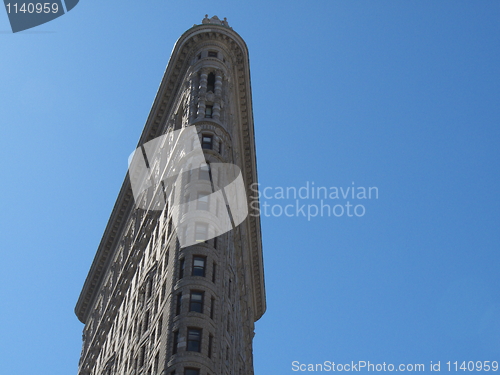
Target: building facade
151, 306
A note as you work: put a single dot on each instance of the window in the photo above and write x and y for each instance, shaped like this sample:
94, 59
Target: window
179, 304
215, 240
196, 301
165, 213
191, 371
194, 339
212, 53
160, 325
169, 230
210, 342
205, 172
208, 112
142, 356
206, 141
211, 82
200, 232
149, 287
199, 56
131, 358
202, 202
178, 120
146, 321
198, 266
186, 203
214, 269
157, 362
163, 291
136, 325
181, 268
176, 341
212, 307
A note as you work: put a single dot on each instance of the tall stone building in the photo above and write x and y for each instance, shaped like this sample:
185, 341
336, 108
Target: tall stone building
151, 306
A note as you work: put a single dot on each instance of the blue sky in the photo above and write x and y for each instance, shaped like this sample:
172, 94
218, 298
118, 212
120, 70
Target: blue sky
402, 96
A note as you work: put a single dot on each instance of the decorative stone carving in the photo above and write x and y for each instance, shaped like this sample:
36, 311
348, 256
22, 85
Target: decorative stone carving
215, 20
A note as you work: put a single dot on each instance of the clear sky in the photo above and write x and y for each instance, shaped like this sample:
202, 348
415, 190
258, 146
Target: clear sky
398, 95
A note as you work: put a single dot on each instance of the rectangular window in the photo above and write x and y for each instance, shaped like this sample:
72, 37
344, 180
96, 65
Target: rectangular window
131, 357
149, 287
206, 139
179, 304
181, 268
157, 362
196, 301
212, 53
160, 326
210, 342
146, 321
176, 341
194, 340
142, 355
198, 266
202, 203
212, 307
214, 269
200, 232
191, 371
169, 230
208, 114
163, 291
205, 172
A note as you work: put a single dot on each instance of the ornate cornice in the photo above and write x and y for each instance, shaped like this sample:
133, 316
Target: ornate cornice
162, 107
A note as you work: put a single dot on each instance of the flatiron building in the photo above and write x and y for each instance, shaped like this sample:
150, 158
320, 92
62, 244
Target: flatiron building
149, 304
